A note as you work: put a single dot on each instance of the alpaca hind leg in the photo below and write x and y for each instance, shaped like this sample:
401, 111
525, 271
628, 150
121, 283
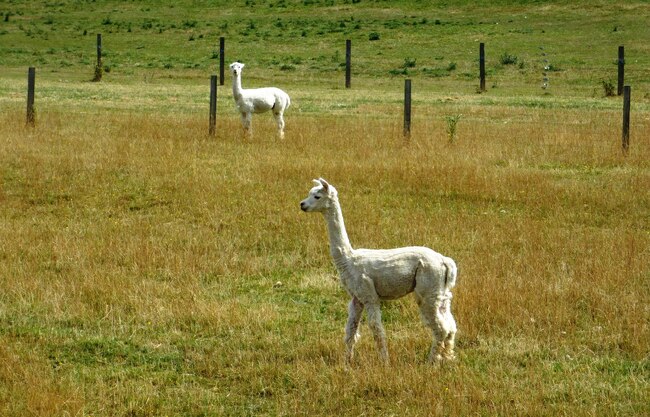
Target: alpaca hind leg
374, 321
432, 318
450, 326
355, 309
279, 119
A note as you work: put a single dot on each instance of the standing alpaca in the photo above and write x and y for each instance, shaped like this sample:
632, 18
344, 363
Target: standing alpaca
370, 276
258, 100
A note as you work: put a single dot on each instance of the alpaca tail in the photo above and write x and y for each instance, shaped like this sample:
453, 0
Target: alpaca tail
451, 272
282, 99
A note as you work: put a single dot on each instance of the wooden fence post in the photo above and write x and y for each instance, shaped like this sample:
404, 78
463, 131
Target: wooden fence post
481, 64
99, 69
31, 82
222, 48
626, 118
407, 108
99, 49
213, 105
621, 69
348, 62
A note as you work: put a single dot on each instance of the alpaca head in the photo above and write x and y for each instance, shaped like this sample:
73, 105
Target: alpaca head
236, 68
320, 197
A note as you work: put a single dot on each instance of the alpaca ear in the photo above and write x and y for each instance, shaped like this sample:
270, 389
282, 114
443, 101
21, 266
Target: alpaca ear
317, 183
325, 184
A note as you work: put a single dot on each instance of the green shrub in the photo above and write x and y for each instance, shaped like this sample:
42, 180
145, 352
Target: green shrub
99, 72
409, 62
608, 88
507, 59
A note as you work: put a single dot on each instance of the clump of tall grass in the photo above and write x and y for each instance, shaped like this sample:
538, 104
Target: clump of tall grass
99, 72
452, 126
608, 88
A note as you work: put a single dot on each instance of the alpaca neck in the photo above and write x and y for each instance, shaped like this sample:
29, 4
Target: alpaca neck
340, 246
236, 86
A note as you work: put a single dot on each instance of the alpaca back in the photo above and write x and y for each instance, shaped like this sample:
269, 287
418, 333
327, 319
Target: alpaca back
394, 271
260, 100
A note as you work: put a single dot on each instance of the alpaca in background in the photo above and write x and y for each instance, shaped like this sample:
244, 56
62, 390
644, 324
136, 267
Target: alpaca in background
258, 100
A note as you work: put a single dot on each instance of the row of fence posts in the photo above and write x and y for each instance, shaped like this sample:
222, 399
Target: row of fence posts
625, 90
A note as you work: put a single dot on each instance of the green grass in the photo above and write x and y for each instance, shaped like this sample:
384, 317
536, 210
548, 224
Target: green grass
149, 269
306, 42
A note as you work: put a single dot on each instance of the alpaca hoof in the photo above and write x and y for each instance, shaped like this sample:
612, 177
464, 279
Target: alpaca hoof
450, 357
436, 359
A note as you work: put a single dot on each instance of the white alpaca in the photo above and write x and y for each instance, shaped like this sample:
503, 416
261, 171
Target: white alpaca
370, 276
258, 100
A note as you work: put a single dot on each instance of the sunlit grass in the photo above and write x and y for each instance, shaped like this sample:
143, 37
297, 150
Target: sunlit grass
150, 269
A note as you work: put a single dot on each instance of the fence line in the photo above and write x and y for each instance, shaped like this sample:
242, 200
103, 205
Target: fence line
625, 90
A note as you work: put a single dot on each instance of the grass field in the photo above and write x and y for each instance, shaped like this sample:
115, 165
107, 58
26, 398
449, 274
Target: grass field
147, 269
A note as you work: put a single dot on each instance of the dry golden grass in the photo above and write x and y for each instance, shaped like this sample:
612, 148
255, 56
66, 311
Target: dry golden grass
147, 269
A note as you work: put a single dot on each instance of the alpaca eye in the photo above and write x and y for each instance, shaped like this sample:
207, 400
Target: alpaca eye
317, 197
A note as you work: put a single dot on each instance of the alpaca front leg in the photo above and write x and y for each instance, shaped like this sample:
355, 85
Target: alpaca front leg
374, 321
355, 309
247, 123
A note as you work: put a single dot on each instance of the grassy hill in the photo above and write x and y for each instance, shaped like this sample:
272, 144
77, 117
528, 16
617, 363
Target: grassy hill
302, 43
149, 269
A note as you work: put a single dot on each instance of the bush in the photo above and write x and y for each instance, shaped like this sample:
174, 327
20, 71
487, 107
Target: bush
507, 59
409, 62
99, 72
400, 71
608, 88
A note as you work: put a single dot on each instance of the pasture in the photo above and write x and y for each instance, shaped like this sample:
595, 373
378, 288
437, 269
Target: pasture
148, 269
